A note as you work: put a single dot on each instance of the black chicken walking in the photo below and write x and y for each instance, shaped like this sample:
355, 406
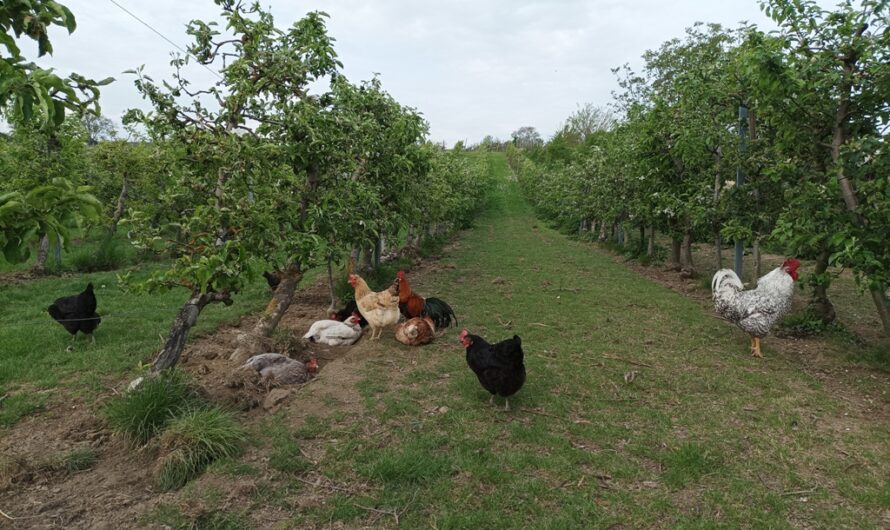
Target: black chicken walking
500, 367
77, 313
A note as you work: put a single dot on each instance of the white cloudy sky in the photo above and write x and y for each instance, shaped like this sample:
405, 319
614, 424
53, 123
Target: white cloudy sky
471, 67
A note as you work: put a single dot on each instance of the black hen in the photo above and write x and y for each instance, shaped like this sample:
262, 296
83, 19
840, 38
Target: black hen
77, 313
346, 312
499, 367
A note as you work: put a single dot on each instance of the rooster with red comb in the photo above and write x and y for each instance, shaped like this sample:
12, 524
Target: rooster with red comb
757, 310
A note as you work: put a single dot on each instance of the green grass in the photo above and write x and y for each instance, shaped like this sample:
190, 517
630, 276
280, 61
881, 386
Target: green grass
79, 459
144, 412
192, 441
703, 436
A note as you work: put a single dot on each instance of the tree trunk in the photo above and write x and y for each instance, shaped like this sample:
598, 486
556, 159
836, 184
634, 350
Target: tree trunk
819, 304
718, 184
367, 259
378, 251
686, 253
650, 248
333, 306
848, 193
179, 332
353, 259
675, 264
602, 235
256, 341
42, 255
881, 304
57, 252
642, 238
758, 262
119, 210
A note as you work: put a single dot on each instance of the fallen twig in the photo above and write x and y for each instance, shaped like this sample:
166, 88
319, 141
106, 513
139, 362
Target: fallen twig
539, 324
307, 457
628, 361
4, 514
801, 492
391, 513
1, 401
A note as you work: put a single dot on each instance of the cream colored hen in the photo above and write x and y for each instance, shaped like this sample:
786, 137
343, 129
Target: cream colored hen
380, 309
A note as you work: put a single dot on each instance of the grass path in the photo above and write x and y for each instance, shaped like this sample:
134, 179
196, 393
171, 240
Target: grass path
640, 410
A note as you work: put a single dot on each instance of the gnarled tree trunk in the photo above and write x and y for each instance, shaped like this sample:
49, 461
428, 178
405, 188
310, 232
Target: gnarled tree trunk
256, 341
819, 304
184, 321
845, 185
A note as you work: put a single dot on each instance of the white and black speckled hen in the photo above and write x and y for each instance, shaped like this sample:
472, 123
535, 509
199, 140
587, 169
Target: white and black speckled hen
756, 311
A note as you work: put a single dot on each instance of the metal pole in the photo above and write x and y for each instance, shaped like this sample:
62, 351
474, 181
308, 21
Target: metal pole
740, 180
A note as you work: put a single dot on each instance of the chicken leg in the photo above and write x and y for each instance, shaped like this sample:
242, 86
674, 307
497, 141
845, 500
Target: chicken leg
491, 400
755, 347
506, 404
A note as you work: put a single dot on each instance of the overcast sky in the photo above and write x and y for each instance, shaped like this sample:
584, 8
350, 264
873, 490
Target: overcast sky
471, 67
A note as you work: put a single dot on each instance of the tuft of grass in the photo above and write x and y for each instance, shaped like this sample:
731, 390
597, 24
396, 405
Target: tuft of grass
689, 462
78, 459
142, 413
194, 440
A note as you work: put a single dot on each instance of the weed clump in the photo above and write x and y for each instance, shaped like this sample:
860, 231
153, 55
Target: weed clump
192, 441
142, 413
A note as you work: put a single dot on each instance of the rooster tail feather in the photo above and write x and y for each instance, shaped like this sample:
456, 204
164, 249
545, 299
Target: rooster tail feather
726, 278
440, 312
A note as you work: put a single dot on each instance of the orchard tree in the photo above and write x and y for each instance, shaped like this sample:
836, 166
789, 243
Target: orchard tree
526, 137
44, 158
254, 162
32, 95
831, 71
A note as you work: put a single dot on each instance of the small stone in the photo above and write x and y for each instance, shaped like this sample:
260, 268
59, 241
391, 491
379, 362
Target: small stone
275, 397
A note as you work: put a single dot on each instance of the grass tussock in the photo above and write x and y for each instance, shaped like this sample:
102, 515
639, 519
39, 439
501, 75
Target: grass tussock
79, 459
142, 413
194, 440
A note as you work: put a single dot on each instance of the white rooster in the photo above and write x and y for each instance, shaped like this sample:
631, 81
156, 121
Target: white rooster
756, 310
334, 332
